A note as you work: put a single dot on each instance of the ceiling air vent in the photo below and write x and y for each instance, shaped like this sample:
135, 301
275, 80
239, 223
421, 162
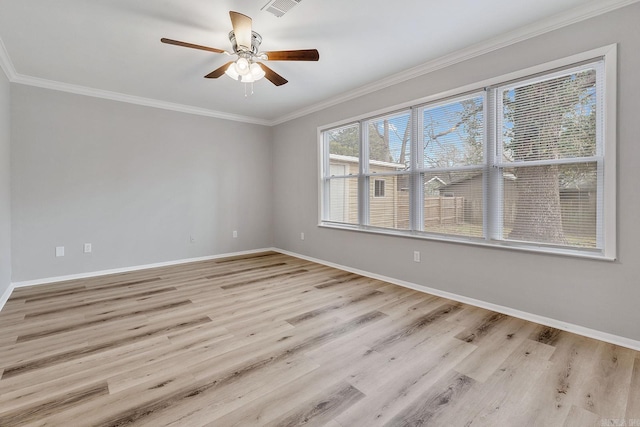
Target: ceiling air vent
280, 7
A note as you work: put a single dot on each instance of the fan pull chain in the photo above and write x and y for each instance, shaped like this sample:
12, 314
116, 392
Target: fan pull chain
246, 95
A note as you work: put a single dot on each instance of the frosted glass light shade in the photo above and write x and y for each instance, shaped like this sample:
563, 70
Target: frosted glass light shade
232, 72
243, 72
242, 66
256, 71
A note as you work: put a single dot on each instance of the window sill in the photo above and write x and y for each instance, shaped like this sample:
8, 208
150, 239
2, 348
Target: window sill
532, 248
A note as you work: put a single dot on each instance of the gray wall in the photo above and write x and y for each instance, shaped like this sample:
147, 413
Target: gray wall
594, 294
5, 186
135, 182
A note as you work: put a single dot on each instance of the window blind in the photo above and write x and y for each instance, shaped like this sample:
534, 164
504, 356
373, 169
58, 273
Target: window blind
549, 152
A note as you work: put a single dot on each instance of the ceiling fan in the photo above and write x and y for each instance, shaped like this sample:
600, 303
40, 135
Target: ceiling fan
245, 43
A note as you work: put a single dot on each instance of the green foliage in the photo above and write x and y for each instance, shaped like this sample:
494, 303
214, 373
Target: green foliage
345, 141
379, 142
381, 136
551, 119
473, 135
390, 139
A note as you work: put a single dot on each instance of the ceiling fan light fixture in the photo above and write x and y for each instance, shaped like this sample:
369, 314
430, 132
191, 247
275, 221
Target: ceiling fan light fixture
242, 66
256, 71
250, 73
232, 72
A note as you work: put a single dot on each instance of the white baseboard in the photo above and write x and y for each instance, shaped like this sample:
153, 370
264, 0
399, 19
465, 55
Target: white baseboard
547, 321
7, 294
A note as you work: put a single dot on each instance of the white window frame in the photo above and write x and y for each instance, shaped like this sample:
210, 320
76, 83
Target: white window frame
606, 212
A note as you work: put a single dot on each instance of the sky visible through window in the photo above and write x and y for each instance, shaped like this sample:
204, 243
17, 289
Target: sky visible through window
451, 135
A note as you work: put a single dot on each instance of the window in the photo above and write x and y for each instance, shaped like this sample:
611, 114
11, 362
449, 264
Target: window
343, 146
518, 163
452, 160
548, 153
386, 174
379, 188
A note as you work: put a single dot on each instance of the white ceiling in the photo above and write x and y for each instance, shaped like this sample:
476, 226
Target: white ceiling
112, 48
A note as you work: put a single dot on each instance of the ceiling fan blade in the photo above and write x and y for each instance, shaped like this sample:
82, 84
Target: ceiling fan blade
218, 71
293, 55
241, 28
272, 76
191, 45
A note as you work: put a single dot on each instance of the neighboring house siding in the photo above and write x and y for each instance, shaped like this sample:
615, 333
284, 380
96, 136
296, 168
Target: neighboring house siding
383, 211
386, 211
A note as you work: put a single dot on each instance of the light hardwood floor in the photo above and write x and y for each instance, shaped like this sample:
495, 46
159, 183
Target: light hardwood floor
272, 340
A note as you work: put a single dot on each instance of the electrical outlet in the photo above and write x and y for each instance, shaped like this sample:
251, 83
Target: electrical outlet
235, 234
416, 256
87, 248
301, 236
59, 250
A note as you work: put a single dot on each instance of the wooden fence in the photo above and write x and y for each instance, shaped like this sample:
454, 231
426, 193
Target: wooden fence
437, 210
443, 210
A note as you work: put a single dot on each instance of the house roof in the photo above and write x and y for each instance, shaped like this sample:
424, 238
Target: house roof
352, 159
436, 180
581, 183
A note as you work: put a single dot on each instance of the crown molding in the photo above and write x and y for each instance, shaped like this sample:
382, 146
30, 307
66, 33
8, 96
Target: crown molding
5, 63
131, 99
572, 16
7, 66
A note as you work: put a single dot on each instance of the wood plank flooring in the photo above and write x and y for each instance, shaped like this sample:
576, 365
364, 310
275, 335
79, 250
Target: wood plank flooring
272, 340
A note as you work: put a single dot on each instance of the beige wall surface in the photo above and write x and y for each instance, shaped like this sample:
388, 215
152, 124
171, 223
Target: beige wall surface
594, 294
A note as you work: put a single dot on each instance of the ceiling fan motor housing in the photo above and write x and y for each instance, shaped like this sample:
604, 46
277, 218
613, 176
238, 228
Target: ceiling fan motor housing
256, 40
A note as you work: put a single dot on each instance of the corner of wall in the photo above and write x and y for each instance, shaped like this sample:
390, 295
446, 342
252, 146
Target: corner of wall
272, 187
5, 186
